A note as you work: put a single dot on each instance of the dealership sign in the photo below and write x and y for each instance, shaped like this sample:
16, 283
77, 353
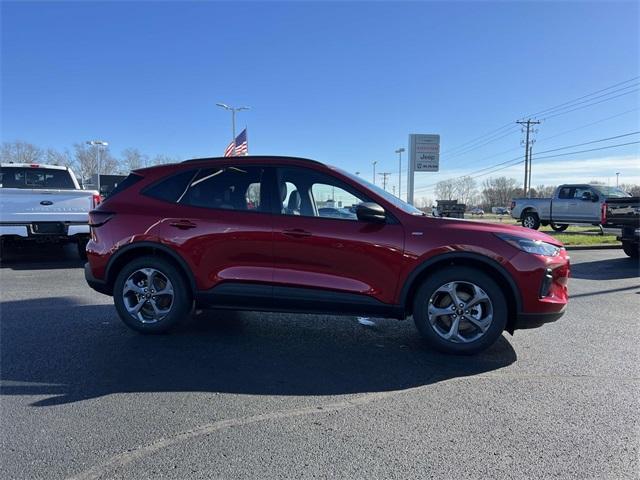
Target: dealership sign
424, 152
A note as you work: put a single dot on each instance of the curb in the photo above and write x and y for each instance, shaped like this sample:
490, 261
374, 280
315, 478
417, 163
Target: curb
594, 247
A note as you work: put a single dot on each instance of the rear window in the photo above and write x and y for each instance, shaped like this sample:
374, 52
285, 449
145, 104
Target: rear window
172, 188
18, 177
132, 179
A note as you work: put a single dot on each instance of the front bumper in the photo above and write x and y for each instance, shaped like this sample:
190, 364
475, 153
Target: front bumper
95, 283
534, 320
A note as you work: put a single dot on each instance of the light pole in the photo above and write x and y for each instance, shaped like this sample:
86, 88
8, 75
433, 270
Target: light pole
374, 171
617, 178
233, 111
399, 152
98, 144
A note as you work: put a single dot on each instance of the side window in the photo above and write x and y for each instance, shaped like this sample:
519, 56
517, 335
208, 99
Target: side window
226, 188
565, 192
334, 202
172, 188
580, 191
309, 193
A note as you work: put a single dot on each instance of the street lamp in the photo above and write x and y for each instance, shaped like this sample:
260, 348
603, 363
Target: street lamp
374, 171
98, 143
617, 178
399, 152
233, 111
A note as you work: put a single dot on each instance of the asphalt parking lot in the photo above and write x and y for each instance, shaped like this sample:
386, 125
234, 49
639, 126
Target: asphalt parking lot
252, 395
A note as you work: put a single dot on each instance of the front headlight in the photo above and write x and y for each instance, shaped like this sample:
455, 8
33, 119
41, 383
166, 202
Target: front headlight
530, 246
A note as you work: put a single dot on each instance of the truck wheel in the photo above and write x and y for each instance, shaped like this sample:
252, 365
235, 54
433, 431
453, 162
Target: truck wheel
631, 249
531, 220
460, 310
82, 247
559, 227
151, 295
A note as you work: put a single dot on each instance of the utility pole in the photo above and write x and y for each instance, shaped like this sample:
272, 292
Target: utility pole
394, 190
98, 144
384, 176
374, 171
527, 151
399, 152
617, 178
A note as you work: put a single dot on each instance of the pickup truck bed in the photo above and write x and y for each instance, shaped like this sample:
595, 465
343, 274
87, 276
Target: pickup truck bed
31, 210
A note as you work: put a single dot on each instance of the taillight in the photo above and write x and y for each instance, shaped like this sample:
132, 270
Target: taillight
603, 214
95, 200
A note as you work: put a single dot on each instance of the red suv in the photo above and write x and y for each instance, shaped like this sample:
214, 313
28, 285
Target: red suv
295, 235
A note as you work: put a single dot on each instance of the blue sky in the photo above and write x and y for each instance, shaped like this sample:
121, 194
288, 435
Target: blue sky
343, 82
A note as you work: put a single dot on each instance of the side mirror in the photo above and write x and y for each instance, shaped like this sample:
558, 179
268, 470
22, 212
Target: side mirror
371, 212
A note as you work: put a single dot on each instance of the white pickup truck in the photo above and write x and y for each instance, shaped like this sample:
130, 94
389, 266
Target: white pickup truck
44, 203
570, 204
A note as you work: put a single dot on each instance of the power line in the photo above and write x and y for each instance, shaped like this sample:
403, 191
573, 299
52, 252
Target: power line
589, 105
567, 105
520, 159
589, 143
546, 110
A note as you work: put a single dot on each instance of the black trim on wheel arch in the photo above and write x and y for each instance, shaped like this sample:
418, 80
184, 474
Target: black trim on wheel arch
275, 298
98, 285
464, 256
157, 246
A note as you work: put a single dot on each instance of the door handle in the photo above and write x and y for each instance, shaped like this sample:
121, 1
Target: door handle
296, 233
183, 224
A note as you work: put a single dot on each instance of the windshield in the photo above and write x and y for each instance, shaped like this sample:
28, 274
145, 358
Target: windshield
22, 177
404, 206
611, 192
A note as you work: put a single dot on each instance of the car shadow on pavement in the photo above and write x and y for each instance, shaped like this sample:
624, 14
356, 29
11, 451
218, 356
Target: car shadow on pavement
35, 256
608, 269
76, 352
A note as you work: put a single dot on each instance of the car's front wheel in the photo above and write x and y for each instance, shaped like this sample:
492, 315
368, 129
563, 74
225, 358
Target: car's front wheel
631, 249
460, 310
151, 295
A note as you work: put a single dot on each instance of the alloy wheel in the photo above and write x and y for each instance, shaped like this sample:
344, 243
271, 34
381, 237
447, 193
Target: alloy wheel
148, 295
460, 312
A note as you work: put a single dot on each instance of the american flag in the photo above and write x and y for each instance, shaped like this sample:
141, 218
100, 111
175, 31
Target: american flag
238, 147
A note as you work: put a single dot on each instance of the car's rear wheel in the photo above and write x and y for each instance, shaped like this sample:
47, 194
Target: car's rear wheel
559, 227
151, 295
460, 310
531, 220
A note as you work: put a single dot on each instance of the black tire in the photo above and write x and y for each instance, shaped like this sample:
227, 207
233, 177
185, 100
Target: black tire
460, 274
82, 247
531, 220
179, 309
631, 249
559, 227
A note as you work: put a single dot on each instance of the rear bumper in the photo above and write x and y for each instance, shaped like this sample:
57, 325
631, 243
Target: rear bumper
25, 230
534, 320
95, 283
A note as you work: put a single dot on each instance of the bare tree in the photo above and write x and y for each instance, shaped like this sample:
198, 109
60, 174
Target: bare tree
55, 157
631, 189
86, 158
132, 159
20, 152
498, 192
545, 191
466, 190
445, 190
